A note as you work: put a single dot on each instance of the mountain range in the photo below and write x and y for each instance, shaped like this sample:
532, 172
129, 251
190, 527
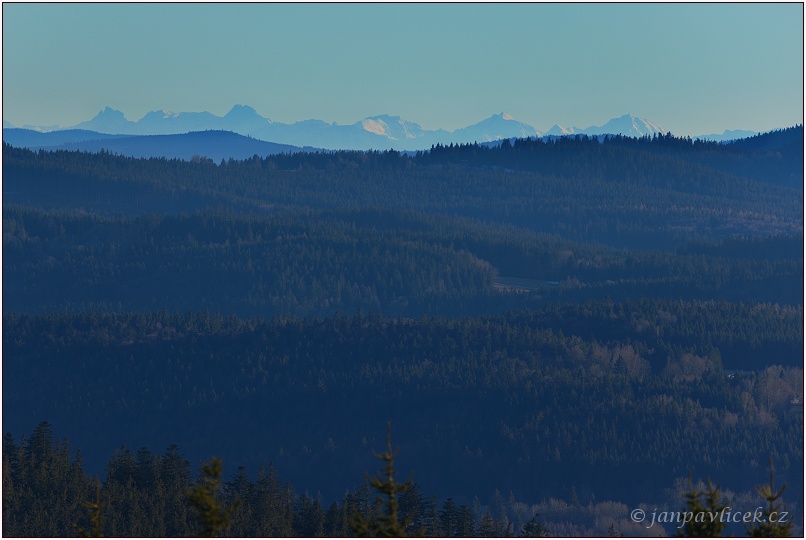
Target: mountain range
375, 132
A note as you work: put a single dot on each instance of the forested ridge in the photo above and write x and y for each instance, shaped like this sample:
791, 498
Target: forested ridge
495, 390
322, 262
578, 320
604, 193
148, 494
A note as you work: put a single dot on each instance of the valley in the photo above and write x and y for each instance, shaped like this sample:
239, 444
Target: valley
535, 319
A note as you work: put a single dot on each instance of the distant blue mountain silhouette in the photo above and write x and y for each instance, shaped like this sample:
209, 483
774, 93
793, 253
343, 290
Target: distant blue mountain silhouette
215, 145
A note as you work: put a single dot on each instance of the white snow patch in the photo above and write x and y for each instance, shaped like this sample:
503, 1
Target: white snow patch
378, 127
407, 128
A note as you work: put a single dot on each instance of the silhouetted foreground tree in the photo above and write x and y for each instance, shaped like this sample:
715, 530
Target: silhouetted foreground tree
386, 523
534, 529
94, 508
213, 513
702, 511
775, 519
43, 503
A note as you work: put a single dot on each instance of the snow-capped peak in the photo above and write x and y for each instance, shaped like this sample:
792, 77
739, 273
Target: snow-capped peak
629, 125
558, 130
392, 127
378, 127
381, 131
497, 127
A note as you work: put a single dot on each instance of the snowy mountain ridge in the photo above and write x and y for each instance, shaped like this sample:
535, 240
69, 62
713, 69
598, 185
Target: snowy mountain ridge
374, 132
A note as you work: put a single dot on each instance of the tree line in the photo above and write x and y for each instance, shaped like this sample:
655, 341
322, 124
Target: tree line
47, 493
537, 401
318, 263
583, 191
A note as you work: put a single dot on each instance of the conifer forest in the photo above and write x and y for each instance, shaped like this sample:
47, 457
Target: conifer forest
534, 338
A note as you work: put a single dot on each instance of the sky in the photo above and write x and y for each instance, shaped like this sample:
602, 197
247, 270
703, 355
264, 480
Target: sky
691, 68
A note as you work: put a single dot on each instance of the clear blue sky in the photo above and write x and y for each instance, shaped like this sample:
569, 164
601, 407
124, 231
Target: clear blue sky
691, 68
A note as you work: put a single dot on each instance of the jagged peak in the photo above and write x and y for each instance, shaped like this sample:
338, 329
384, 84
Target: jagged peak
384, 117
241, 109
500, 116
109, 111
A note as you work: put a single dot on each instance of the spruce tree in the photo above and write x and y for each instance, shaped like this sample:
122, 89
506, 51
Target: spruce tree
534, 529
487, 526
95, 516
703, 520
775, 518
204, 498
387, 524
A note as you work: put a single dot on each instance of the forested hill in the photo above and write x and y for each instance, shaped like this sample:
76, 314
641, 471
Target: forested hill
788, 141
774, 157
215, 145
578, 319
317, 234
319, 263
651, 193
537, 401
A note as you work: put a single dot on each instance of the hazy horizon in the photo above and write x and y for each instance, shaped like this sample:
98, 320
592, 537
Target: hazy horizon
691, 68
541, 129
